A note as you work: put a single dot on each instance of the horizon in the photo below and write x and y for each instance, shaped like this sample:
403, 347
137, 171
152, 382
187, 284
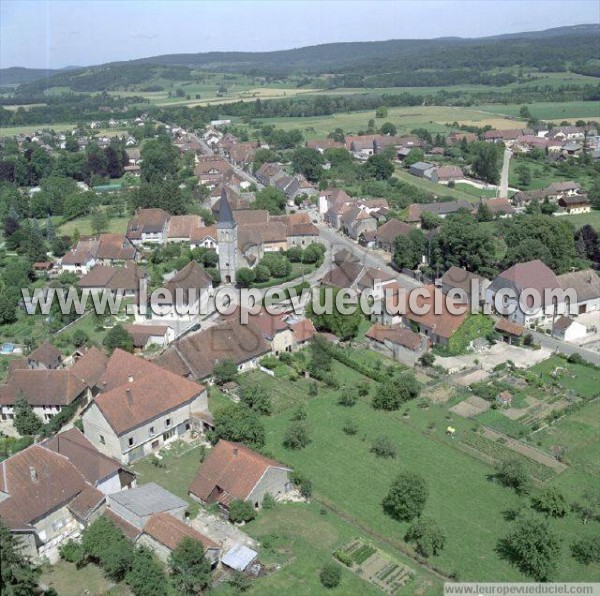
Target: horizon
64, 34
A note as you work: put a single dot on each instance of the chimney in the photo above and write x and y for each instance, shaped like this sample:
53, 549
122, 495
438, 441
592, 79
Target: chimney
235, 451
128, 392
130, 378
33, 474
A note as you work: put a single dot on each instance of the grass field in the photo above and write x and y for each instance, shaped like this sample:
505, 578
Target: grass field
592, 218
439, 190
581, 379
84, 225
345, 473
69, 580
474, 191
571, 110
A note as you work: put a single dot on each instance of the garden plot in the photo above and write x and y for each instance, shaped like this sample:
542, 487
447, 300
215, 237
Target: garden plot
471, 407
374, 566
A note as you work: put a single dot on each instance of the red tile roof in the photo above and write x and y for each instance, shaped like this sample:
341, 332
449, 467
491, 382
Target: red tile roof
170, 531
91, 366
45, 354
395, 334
233, 468
41, 387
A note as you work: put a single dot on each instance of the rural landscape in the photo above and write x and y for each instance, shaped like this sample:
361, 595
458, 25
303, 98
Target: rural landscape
429, 426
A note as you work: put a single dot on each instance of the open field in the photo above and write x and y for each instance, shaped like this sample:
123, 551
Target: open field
467, 503
84, 225
592, 218
439, 190
9, 131
68, 580
572, 110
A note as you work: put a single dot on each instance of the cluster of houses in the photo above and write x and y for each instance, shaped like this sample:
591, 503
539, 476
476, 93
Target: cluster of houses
566, 195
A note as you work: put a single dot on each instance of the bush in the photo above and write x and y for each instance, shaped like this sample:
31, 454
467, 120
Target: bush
428, 536
587, 549
350, 427
300, 413
268, 502
71, 551
330, 575
241, 511
513, 474
296, 436
348, 397
575, 359
384, 447
343, 557
303, 484
427, 359
551, 502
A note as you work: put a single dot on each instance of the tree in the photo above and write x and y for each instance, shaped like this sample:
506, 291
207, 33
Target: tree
384, 447
190, 570
409, 250
550, 501
303, 483
313, 253
264, 156
117, 337
406, 497
348, 397
99, 222
532, 547
295, 254
239, 581
523, 174
256, 398
330, 575
525, 113
378, 166
244, 276
268, 502
430, 221
241, 511
485, 162
261, 273
8, 307
345, 326
296, 436
513, 474
395, 391
387, 128
159, 160
586, 550
308, 162
225, 371
381, 112
427, 359
587, 243
272, 199
594, 195
239, 424
337, 135
146, 576
426, 533
26, 422
414, 155
277, 264
589, 507
484, 213
18, 576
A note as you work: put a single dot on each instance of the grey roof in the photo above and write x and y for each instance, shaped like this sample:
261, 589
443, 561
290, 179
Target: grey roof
421, 165
148, 499
239, 557
226, 219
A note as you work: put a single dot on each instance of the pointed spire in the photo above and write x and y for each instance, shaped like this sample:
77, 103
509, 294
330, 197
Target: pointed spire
225, 215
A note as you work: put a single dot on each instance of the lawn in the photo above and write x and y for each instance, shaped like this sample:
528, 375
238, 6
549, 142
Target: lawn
345, 474
556, 111
438, 190
583, 380
84, 225
592, 218
474, 191
68, 580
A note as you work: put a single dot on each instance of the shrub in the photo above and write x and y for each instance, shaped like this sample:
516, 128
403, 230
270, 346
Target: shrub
587, 549
303, 484
350, 427
384, 447
241, 511
268, 502
427, 359
348, 397
330, 575
300, 413
343, 557
575, 359
551, 502
428, 536
513, 474
71, 551
296, 436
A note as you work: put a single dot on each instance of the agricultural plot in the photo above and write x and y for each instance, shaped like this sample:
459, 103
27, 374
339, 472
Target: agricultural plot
374, 566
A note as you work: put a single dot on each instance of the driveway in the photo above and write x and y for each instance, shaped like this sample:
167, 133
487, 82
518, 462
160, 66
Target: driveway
504, 176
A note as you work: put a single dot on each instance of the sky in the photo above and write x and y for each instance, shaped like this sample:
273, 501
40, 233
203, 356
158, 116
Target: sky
58, 33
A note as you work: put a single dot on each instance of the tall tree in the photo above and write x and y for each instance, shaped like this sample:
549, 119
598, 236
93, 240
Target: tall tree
159, 160
18, 577
406, 497
190, 570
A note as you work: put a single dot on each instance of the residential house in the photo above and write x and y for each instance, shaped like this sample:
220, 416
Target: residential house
510, 331
321, 145
500, 207
397, 342
445, 174
148, 226
466, 287
455, 138
141, 408
89, 368
195, 355
560, 189
46, 357
422, 169
586, 286
79, 260
441, 209
46, 391
205, 237
182, 228
356, 221
232, 471
532, 275
275, 331
112, 249
125, 280
568, 329
386, 234
145, 336
575, 204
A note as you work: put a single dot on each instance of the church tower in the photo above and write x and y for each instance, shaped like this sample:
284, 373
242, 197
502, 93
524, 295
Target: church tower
227, 241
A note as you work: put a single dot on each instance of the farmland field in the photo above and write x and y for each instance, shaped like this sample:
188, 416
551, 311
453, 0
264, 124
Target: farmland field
437, 189
572, 110
348, 476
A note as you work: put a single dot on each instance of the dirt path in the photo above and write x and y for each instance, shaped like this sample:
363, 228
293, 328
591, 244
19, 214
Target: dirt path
527, 451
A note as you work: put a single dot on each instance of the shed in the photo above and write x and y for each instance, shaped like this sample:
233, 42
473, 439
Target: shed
240, 557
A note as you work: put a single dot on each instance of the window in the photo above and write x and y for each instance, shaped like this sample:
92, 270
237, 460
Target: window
151, 431
130, 441
102, 441
168, 422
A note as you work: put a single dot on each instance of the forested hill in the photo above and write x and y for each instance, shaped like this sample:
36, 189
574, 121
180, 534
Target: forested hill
423, 62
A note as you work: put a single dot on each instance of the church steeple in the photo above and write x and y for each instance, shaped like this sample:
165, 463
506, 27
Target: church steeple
226, 220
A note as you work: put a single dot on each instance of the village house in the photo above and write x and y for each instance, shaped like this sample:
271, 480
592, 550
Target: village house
532, 275
148, 226
397, 342
232, 471
386, 234
195, 355
511, 332
145, 336
421, 169
205, 237
362, 146
46, 391
46, 357
79, 260
441, 209
445, 174
586, 286
568, 329
125, 280
463, 283
182, 228
455, 138
575, 204
356, 221
50, 491
499, 207
321, 145
141, 407
89, 367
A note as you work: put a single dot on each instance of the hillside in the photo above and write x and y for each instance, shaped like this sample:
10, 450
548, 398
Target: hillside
425, 62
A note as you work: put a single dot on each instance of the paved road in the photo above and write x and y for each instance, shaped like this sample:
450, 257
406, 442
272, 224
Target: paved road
504, 176
337, 242
566, 348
